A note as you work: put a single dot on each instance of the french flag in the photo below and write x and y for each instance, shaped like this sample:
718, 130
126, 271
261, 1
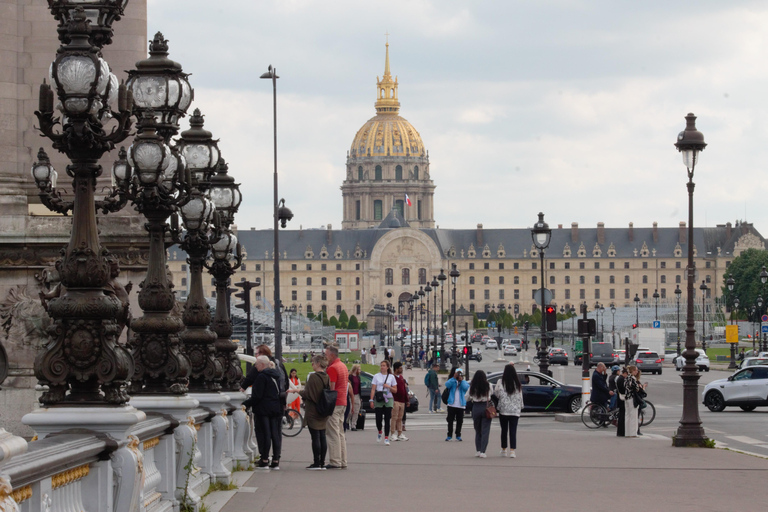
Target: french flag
408, 200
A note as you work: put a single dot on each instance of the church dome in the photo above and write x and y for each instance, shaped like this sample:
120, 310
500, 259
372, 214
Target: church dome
387, 134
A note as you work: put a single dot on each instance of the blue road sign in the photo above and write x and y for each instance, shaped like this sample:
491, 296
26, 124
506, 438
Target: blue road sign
657, 324
765, 328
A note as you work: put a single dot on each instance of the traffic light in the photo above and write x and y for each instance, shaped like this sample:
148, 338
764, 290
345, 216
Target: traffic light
634, 326
517, 309
245, 297
466, 350
551, 313
525, 325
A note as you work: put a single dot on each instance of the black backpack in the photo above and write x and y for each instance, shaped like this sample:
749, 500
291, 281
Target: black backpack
326, 403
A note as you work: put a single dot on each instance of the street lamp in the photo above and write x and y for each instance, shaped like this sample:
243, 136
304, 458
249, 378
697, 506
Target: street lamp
678, 292
656, 304
730, 283
541, 235
435, 283
613, 325
602, 325
637, 310
454, 279
690, 142
421, 293
281, 215
704, 289
758, 314
441, 277
763, 280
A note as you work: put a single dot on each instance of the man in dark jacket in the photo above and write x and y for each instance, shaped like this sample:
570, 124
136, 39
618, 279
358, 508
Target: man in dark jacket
267, 412
620, 391
600, 392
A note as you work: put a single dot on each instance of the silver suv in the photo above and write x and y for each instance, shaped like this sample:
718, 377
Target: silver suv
648, 362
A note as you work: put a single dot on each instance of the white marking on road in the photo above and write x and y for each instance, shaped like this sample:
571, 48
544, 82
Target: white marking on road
745, 439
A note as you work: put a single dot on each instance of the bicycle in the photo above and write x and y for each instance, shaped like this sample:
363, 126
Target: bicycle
597, 415
293, 423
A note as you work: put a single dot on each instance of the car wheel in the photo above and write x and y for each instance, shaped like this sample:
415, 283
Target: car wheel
575, 404
659, 372
706, 368
748, 408
714, 401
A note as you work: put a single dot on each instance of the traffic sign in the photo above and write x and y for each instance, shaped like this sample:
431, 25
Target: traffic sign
764, 328
731, 333
657, 324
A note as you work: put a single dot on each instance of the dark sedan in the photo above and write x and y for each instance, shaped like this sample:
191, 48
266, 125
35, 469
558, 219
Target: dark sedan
365, 394
542, 393
558, 356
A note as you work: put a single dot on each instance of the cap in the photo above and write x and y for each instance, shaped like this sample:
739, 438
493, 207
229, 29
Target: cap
615, 368
458, 370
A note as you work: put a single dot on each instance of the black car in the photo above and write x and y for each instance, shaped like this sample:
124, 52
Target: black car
542, 393
365, 394
558, 356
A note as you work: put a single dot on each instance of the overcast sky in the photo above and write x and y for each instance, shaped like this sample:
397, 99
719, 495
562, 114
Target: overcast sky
570, 107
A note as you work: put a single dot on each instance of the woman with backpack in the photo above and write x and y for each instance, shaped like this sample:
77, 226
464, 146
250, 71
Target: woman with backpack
316, 383
383, 385
509, 391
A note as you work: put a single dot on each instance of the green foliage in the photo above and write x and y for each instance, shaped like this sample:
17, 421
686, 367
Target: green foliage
475, 321
326, 322
311, 316
364, 326
491, 317
745, 271
333, 321
352, 324
343, 318
220, 486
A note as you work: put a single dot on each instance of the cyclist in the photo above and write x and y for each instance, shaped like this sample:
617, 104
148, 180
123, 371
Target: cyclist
600, 392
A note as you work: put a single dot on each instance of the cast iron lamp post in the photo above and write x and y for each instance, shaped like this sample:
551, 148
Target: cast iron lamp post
435, 283
703, 289
678, 292
758, 315
690, 142
83, 362
281, 215
763, 280
602, 324
637, 310
656, 304
613, 325
454, 279
573, 328
441, 277
730, 283
541, 235
419, 294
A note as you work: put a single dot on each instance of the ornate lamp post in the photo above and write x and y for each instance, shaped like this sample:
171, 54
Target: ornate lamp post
637, 310
602, 325
421, 294
541, 235
758, 314
656, 303
678, 292
441, 277
435, 284
690, 142
83, 362
730, 283
281, 215
703, 289
454, 279
613, 325
763, 280
573, 327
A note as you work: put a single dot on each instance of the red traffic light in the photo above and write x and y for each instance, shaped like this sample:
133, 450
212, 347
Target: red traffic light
466, 350
634, 326
550, 310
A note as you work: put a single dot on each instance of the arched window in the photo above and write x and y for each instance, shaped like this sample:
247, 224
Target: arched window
416, 172
389, 276
406, 276
377, 207
360, 173
422, 276
399, 173
378, 173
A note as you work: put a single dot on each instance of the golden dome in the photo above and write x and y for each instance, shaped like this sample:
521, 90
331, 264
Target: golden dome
387, 134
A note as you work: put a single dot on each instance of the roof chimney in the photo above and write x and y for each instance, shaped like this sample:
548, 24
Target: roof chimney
728, 230
328, 235
601, 233
480, 242
631, 232
656, 233
574, 232
682, 238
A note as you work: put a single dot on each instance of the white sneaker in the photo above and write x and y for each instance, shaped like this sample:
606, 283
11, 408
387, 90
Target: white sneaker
402, 438
386, 442
378, 438
394, 438
512, 454
482, 455
503, 452
477, 454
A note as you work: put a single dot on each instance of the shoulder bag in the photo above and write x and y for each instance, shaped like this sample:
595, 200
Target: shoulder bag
490, 410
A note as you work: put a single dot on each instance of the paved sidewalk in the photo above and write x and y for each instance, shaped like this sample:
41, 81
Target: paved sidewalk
558, 467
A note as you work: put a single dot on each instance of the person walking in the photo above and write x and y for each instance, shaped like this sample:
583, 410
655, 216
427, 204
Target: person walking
337, 441
620, 401
294, 387
267, 412
509, 391
433, 388
480, 394
632, 387
372, 352
401, 400
383, 385
316, 383
354, 379
362, 356
457, 402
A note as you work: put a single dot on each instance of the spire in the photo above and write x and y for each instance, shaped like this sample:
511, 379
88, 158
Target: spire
386, 90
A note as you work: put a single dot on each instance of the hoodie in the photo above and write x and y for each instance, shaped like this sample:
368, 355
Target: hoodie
265, 398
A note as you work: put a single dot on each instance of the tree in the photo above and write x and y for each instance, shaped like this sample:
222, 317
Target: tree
364, 326
333, 321
353, 324
343, 318
475, 321
745, 270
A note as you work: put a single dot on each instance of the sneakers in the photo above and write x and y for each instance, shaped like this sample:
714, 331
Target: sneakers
503, 453
458, 438
263, 464
431, 411
395, 437
402, 438
275, 466
448, 438
316, 467
330, 466
386, 441
353, 429
482, 455
477, 454
512, 454
378, 438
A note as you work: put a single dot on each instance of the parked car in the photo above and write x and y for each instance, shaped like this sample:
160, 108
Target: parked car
558, 355
542, 393
365, 393
747, 388
491, 344
509, 350
702, 361
752, 361
619, 356
648, 362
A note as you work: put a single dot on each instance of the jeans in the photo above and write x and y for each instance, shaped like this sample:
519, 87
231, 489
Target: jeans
482, 426
269, 435
457, 414
508, 423
384, 413
319, 446
612, 401
434, 403
337, 441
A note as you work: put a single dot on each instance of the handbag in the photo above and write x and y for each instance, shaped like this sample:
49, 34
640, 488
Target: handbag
445, 396
490, 410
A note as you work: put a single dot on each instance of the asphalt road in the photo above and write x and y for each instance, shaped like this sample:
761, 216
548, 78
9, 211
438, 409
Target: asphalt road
732, 428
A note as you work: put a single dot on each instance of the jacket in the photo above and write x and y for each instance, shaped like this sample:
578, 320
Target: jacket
432, 382
600, 393
316, 382
265, 398
451, 384
509, 405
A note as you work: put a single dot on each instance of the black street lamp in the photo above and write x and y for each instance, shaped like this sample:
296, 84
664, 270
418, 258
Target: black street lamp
678, 292
441, 277
602, 324
703, 289
541, 235
454, 279
573, 328
690, 142
656, 304
763, 280
421, 293
637, 310
730, 283
434, 284
613, 325
281, 215
758, 320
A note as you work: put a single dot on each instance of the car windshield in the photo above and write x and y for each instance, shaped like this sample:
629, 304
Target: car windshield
648, 355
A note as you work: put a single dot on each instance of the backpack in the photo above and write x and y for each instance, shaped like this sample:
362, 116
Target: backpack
445, 396
326, 403
426, 379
